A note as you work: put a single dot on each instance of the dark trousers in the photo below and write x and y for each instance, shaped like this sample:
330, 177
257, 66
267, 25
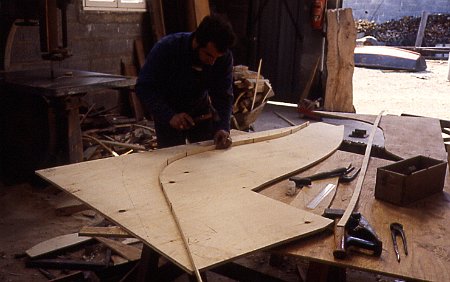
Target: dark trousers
167, 136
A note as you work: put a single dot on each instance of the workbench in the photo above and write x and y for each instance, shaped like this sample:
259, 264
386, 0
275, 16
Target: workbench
425, 222
60, 91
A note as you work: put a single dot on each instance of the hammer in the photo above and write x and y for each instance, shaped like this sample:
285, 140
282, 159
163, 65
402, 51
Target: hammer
357, 233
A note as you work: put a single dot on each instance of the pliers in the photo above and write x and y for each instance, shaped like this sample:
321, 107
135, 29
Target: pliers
342, 172
397, 229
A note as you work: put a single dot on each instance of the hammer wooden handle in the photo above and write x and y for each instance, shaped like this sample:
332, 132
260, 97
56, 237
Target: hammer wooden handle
339, 240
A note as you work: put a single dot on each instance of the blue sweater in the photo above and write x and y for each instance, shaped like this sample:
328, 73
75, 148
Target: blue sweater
167, 83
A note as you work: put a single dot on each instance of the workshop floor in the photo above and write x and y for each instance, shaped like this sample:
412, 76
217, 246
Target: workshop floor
28, 211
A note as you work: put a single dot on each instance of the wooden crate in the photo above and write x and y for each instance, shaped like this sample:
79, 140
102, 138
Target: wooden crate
410, 180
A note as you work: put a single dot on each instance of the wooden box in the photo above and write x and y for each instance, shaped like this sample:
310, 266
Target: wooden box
410, 180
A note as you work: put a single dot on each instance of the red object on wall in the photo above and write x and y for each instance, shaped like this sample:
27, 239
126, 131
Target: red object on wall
317, 13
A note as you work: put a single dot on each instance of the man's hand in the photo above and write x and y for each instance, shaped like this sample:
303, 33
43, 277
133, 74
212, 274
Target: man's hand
222, 139
182, 121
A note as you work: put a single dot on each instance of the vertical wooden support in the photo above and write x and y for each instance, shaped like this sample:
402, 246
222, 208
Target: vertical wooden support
74, 141
158, 19
341, 42
421, 31
196, 11
201, 10
448, 74
148, 265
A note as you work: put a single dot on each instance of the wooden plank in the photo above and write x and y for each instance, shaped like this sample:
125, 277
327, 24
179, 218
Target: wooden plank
140, 52
56, 244
158, 19
306, 91
341, 42
135, 103
68, 204
129, 252
355, 197
429, 144
103, 231
201, 10
421, 30
127, 191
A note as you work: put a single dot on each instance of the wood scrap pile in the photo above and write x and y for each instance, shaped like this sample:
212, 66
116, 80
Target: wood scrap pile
94, 253
108, 134
403, 32
248, 103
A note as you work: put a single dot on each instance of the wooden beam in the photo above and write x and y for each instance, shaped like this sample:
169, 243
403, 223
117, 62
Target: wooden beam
341, 42
158, 19
129, 252
103, 231
355, 197
56, 244
421, 30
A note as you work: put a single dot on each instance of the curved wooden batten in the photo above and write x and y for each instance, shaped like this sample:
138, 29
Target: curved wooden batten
190, 151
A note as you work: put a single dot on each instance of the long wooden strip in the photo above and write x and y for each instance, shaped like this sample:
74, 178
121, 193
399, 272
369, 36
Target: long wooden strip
355, 197
129, 252
56, 244
102, 231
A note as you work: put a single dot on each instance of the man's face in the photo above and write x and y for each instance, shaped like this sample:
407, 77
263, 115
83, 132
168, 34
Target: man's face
208, 54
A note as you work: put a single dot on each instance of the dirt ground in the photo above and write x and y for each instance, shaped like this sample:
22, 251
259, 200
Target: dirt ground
425, 93
28, 212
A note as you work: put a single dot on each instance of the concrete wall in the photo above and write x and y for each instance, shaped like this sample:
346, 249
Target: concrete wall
385, 10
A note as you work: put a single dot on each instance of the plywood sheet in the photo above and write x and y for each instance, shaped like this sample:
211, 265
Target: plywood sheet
127, 190
220, 217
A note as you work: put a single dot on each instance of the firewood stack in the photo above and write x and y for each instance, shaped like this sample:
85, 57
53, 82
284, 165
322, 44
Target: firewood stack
403, 32
248, 104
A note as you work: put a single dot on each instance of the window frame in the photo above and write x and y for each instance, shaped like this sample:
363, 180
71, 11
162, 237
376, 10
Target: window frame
114, 5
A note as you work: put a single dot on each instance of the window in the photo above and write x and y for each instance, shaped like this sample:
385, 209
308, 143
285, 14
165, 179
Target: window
115, 5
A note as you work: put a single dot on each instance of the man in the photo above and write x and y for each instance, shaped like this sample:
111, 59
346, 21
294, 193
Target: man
186, 84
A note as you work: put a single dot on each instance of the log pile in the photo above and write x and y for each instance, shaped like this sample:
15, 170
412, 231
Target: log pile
403, 32
248, 103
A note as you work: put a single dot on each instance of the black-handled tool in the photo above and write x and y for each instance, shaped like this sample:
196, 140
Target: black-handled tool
397, 229
357, 233
342, 172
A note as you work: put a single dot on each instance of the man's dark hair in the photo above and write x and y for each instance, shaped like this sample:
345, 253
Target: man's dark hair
217, 30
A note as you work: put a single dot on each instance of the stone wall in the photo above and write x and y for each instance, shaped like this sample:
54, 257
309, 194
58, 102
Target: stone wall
385, 10
98, 40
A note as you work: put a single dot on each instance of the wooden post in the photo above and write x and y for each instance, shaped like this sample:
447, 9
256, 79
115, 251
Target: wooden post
448, 75
421, 31
341, 42
158, 18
